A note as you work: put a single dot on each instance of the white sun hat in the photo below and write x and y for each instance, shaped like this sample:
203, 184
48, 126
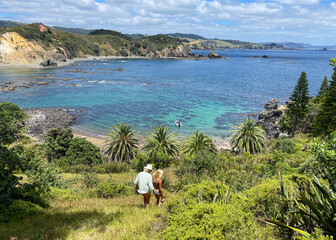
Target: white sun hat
149, 167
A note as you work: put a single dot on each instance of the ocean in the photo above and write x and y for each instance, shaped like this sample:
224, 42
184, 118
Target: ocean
208, 95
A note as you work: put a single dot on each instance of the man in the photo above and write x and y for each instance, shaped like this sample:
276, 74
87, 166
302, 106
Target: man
144, 184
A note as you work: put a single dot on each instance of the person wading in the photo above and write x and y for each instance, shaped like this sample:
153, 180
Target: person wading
144, 184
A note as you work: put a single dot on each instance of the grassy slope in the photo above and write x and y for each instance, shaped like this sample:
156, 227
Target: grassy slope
119, 218
73, 217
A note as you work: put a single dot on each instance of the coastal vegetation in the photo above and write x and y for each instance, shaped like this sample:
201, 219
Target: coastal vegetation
283, 188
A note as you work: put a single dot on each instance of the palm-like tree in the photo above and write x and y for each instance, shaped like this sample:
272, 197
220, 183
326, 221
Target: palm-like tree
160, 141
199, 142
121, 144
248, 137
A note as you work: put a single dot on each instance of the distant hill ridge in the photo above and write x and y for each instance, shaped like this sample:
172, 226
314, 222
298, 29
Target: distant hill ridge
193, 41
37, 43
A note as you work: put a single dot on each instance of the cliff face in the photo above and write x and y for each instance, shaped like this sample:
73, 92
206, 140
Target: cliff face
15, 49
36, 43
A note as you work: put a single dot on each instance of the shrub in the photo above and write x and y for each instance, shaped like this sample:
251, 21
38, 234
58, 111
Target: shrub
285, 145
90, 179
139, 162
112, 167
81, 151
214, 221
19, 210
57, 142
111, 190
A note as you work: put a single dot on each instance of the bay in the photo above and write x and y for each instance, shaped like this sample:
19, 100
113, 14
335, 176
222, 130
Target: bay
205, 95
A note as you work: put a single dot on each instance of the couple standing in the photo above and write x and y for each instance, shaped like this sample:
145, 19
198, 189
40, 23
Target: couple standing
144, 183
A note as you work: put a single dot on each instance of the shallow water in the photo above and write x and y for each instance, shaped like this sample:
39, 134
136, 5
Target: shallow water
205, 95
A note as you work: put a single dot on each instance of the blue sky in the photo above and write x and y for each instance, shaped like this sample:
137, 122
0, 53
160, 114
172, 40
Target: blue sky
306, 21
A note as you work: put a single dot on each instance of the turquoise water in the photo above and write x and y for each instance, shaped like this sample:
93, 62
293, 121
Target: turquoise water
205, 95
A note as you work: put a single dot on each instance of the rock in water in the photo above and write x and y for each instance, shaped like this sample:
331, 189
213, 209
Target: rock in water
49, 63
272, 104
42, 119
212, 54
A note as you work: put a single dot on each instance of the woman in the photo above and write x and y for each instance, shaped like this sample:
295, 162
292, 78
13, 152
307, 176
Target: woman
157, 183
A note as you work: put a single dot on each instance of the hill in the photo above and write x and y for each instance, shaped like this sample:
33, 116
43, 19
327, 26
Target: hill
73, 30
186, 35
109, 32
7, 23
35, 43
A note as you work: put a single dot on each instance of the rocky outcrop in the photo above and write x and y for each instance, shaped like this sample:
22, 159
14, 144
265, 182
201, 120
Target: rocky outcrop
212, 55
269, 120
42, 119
272, 104
49, 63
180, 51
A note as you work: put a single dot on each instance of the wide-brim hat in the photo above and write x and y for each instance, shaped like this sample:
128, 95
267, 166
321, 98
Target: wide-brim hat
149, 167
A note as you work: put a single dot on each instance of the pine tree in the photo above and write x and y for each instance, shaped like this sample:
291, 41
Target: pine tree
324, 87
325, 121
298, 102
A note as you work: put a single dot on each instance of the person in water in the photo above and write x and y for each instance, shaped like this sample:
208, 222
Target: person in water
144, 184
158, 193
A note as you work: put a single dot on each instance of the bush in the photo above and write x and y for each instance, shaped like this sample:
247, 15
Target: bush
265, 199
285, 145
57, 142
81, 151
113, 167
111, 190
90, 179
214, 221
19, 210
139, 162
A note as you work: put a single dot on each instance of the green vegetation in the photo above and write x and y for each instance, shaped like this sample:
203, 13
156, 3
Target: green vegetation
121, 144
323, 88
161, 147
297, 106
325, 121
64, 188
248, 137
57, 142
199, 142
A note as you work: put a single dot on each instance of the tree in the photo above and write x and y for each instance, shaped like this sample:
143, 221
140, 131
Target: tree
11, 127
121, 144
11, 123
81, 151
323, 88
325, 121
199, 142
248, 137
160, 141
57, 141
297, 106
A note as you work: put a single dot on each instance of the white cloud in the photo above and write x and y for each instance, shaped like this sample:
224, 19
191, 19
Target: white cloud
260, 20
333, 5
298, 2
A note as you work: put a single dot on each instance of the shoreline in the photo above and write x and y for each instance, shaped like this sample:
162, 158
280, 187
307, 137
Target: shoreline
83, 59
